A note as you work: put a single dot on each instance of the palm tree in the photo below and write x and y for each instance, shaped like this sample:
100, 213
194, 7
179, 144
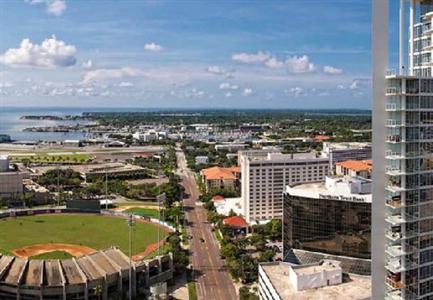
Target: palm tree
98, 291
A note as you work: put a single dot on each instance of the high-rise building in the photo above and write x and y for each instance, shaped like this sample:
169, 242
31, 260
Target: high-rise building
266, 174
402, 236
332, 217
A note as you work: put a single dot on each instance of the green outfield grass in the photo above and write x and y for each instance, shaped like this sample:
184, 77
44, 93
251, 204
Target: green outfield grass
144, 212
94, 231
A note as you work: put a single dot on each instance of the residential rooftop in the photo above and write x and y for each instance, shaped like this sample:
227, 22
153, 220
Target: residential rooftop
218, 173
357, 165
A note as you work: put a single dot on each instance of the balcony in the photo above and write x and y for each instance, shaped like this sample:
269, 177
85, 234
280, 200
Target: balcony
394, 295
395, 188
394, 265
393, 236
394, 283
394, 155
394, 202
393, 91
393, 123
395, 251
395, 220
394, 171
396, 138
393, 107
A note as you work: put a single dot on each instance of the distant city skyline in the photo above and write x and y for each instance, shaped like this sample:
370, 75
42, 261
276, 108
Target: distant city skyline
188, 54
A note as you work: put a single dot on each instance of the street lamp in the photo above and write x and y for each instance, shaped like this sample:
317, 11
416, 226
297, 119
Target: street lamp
130, 222
160, 198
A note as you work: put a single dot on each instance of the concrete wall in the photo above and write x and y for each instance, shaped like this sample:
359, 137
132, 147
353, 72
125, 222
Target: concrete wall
315, 280
11, 184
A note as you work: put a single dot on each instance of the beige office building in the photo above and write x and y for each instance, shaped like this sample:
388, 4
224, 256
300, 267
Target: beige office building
265, 175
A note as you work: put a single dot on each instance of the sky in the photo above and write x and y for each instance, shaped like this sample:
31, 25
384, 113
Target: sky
185, 54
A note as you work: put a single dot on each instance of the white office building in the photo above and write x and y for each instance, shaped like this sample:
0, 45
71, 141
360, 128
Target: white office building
338, 152
266, 174
402, 155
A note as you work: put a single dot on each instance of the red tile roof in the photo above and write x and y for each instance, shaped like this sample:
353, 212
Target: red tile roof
218, 198
356, 165
235, 222
143, 154
217, 173
321, 138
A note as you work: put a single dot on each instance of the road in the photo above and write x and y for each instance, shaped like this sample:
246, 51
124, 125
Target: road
213, 281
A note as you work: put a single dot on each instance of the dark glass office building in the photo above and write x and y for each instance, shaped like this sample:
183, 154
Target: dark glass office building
331, 224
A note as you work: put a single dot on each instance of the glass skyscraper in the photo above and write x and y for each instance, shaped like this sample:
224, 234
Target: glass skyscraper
402, 250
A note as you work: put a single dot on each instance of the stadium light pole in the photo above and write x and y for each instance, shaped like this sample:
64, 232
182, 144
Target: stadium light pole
130, 224
58, 185
106, 189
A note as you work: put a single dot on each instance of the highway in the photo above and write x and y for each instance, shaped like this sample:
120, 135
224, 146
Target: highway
213, 281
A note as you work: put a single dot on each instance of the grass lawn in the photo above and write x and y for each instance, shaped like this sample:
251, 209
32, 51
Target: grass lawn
132, 202
95, 231
192, 292
53, 255
144, 212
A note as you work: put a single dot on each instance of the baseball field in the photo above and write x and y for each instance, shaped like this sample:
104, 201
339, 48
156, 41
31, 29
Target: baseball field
64, 235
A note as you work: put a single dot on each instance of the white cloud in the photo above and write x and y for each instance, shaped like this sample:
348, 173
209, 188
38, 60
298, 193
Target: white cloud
247, 91
294, 64
216, 70
274, 63
6, 84
323, 94
359, 83
296, 91
50, 53
248, 58
300, 64
54, 7
88, 64
126, 84
354, 85
109, 74
228, 86
153, 47
332, 70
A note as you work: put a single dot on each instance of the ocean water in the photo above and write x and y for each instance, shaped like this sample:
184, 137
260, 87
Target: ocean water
11, 124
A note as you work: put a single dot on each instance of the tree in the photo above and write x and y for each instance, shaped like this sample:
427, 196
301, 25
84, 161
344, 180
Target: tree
229, 250
267, 255
27, 199
26, 162
273, 229
246, 294
213, 217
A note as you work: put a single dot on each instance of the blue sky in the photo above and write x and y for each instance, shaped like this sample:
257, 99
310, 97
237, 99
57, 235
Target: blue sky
187, 54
